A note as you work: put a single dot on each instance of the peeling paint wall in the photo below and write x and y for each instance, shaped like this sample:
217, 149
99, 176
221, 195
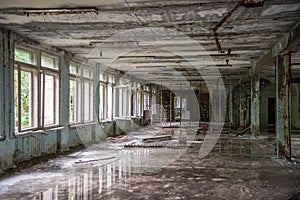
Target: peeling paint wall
267, 92
295, 110
255, 105
7, 145
21, 147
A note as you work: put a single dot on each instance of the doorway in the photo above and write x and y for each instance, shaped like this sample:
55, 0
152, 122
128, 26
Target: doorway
271, 114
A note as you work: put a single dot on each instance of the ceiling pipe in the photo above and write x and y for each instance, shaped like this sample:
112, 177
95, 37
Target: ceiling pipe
246, 3
220, 23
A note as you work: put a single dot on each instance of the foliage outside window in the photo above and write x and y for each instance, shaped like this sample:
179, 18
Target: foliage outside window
36, 91
25, 98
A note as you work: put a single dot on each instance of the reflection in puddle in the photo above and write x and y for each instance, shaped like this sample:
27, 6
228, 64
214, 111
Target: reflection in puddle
98, 182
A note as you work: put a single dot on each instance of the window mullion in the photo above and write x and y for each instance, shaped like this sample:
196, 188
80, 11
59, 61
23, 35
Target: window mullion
78, 101
106, 101
54, 98
113, 102
32, 99
39, 116
43, 100
91, 99
19, 98
82, 100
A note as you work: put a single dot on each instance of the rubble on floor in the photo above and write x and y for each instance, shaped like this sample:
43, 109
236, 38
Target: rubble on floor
236, 168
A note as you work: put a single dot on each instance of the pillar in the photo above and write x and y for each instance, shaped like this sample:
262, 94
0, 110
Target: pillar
255, 104
63, 136
283, 91
7, 139
2, 88
117, 93
230, 105
243, 103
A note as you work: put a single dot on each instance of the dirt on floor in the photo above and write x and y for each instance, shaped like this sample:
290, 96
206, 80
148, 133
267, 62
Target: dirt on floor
238, 167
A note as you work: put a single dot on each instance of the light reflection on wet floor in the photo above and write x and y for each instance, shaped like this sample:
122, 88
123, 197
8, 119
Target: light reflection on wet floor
162, 173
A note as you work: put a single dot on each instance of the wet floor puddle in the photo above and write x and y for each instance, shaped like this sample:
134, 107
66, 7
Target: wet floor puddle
233, 170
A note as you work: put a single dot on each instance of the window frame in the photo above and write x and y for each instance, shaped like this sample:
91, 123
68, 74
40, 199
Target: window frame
19, 67
76, 77
45, 70
106, 108
37, 89
81, 80
90, 99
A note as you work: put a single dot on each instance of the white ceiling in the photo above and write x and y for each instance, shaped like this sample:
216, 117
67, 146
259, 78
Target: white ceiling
158, 40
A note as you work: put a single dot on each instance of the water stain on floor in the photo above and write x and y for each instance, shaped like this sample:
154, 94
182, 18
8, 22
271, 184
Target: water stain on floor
236, 168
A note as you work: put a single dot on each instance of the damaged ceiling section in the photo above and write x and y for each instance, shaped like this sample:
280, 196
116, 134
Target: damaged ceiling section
234, 34
150, 99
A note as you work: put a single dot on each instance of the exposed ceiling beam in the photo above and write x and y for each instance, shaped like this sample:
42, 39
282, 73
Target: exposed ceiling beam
289, 42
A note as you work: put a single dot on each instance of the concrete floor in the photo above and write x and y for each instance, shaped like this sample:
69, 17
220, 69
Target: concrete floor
237, 168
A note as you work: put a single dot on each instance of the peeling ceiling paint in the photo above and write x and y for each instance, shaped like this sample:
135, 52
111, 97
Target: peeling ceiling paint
249, 33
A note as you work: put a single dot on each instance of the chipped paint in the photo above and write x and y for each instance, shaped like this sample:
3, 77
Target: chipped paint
279, 107
295, 111
255, 105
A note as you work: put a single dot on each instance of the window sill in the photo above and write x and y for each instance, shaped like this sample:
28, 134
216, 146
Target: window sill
123, 118
104, 121
82, 124
41, 131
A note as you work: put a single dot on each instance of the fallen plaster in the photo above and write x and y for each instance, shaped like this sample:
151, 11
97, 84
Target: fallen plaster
237, 168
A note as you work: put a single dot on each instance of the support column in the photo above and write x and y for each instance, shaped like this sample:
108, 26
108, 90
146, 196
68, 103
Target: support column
283, 91
97, 93
230, 106
2, 89
63, 136
243, 103
255, 104
8, 142
117, 93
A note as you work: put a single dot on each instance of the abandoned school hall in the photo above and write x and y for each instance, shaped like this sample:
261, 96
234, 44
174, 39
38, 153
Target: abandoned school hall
140, 99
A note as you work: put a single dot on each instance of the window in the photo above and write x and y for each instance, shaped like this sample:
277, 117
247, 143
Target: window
102, 101
75, 94
102, 97
88, 97
50, 89
110, 102
25, 56
36, 90
184, 103
146, 101
106, 96
133, 103
25, 98
153, 103
110, 99
81, 93
49, 61
124, 98
138, 102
